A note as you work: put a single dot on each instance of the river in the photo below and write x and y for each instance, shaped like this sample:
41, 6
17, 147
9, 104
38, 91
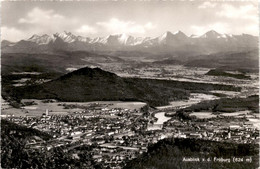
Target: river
159, 123
194, 99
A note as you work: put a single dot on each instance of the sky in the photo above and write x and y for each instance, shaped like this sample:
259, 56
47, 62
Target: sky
20, 19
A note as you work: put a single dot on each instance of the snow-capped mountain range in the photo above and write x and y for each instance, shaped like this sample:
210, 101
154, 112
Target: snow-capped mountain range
68, 37
209, 42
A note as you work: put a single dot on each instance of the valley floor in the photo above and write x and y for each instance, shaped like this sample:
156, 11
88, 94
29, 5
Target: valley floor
122, 131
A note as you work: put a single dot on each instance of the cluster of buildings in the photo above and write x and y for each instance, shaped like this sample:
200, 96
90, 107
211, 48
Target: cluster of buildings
216, 129
113, 132
119, 135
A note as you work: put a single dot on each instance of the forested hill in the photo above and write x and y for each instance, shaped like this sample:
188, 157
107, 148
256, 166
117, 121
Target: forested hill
14, 153
170, 154
88, 84
216, 72
13, 140
223, 105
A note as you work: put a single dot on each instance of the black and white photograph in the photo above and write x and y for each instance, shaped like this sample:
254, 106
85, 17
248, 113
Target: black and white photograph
120, 84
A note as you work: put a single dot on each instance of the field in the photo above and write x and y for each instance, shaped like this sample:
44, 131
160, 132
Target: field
206, 115
226, 105
193, 99
203, 115
255, 122
236, 113
57, 108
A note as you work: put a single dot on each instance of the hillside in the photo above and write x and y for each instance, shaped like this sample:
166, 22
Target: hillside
216, 72
169, 154
21, 132
14, 153
58, 62
223, 105
88, 84
247, 61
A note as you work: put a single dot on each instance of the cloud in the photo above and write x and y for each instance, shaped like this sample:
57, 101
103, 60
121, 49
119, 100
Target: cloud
41, 21
85, 30
149, 25
252, 29
12, 34
206, 5
244, 17
223, 27
218, 26
38, 16
115, 25
248, 12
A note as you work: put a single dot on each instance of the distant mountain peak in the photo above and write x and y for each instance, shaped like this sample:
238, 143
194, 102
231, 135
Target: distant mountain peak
169, 38
34, 36
66, 36
211, 34
248, 35
64, 33
179, 33
6, 43
67, 33
45, 35
119, 39
167, 33
176, 34
213, 31
41, 40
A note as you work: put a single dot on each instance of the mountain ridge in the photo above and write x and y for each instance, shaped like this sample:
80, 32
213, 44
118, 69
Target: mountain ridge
210, 42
